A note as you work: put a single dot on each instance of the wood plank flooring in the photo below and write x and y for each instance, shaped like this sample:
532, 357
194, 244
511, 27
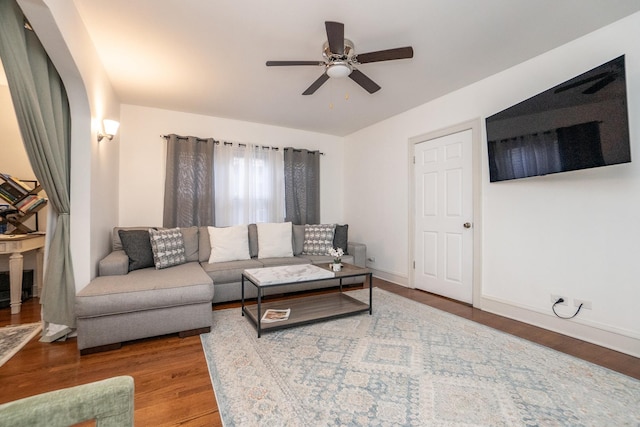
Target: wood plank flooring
172, 386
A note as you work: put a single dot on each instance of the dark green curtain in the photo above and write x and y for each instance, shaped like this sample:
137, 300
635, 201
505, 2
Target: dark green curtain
302, 186
42, 109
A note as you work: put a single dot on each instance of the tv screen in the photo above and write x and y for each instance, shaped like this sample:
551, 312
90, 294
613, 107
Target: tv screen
581, 123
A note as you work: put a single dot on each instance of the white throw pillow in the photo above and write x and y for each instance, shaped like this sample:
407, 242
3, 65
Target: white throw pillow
274, 240
229, 243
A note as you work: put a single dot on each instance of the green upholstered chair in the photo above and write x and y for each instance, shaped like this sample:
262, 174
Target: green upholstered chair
109, 402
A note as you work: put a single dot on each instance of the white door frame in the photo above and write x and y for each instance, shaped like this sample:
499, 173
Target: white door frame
475, 126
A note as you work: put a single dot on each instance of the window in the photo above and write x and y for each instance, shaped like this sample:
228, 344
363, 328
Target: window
222, 184
249, 184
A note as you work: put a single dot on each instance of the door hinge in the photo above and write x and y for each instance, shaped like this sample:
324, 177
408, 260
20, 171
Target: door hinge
414, 265
414, 160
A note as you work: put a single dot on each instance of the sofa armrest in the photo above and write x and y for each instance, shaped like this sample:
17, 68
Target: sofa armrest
359, 252
108, 402
114, 264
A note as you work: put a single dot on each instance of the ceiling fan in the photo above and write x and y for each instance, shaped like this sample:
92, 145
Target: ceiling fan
340, 60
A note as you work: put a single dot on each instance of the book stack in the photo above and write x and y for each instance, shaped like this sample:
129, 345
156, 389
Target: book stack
12, 189
30, 202
23, 200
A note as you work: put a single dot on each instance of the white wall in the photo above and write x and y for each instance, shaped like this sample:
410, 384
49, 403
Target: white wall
143, 157
576, 232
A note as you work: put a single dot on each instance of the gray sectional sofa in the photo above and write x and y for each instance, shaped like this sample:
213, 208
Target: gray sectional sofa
122, 305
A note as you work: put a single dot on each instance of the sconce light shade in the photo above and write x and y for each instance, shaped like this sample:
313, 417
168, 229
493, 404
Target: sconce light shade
110, 129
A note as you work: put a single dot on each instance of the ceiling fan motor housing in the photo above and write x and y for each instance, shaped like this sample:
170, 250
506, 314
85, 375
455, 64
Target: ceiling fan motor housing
330, 56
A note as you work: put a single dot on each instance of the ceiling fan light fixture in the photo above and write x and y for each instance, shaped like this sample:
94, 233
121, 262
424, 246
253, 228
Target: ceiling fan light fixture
339, 69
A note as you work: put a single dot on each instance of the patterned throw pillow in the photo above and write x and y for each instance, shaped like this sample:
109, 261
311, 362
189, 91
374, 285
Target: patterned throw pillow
318, 239
168, 247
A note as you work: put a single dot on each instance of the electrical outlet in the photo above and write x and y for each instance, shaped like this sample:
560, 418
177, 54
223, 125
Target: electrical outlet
556, 297
585, 304
371, 259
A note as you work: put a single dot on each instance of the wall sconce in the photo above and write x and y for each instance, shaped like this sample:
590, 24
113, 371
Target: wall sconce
110, 129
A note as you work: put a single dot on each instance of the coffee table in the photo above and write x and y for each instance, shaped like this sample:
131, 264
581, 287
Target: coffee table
306, 309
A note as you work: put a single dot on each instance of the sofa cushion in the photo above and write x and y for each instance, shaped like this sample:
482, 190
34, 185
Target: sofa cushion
137, 246
341, 237
168, 247
145, 289
275, 262
191, 243
274, 240
204, 244
327, 259
318, 239
298, 239
229, 243
229, 271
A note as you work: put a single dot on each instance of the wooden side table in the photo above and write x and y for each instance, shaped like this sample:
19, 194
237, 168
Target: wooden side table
15, 245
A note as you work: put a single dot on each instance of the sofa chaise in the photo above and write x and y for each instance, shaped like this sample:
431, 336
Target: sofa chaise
131, 299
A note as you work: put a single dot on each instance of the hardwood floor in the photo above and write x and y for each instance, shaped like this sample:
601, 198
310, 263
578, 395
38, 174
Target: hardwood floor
172, 385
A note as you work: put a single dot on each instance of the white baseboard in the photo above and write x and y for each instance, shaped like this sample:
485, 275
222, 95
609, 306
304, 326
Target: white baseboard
621, 341
390, 277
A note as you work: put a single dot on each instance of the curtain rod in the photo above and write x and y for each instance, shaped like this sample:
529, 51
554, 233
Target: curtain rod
231, 143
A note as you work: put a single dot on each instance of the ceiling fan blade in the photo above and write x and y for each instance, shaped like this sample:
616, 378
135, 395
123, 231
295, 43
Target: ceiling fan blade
364, 81
385, 55
599, 85
286, 63
315, 85
335, 36
581, 82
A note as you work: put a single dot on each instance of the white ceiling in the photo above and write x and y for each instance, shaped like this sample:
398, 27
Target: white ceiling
208, 56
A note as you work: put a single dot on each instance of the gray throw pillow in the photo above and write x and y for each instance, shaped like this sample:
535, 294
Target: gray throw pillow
341, 237
137, 246
168, 247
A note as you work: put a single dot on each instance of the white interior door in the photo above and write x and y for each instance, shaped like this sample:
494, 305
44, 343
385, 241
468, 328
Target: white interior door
443, 216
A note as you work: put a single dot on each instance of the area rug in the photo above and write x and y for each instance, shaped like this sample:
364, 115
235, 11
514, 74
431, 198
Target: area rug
407, 364
13, 338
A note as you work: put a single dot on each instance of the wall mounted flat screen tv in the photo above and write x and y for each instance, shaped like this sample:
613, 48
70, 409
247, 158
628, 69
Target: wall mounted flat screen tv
579, 124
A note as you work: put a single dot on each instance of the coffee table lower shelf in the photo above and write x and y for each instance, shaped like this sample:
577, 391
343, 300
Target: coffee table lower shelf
307, 310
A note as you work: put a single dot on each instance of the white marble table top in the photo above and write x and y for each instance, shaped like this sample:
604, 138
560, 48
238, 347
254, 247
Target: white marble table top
287, 274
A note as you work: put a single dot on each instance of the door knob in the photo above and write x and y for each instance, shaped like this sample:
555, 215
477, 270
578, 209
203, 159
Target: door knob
467, 225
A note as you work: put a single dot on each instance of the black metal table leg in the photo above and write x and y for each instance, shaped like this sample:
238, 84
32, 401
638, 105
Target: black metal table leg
259, 319
370, 294
242, 296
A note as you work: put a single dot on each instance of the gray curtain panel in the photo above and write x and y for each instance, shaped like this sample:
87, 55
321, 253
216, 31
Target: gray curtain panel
42, 109
302, 186
189, 191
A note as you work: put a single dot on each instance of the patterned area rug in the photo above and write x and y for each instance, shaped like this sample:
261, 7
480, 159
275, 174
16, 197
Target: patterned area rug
13, 338
407, 364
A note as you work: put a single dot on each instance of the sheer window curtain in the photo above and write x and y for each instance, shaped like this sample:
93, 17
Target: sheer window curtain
189, 183
42, 110
249, 184
302, 186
